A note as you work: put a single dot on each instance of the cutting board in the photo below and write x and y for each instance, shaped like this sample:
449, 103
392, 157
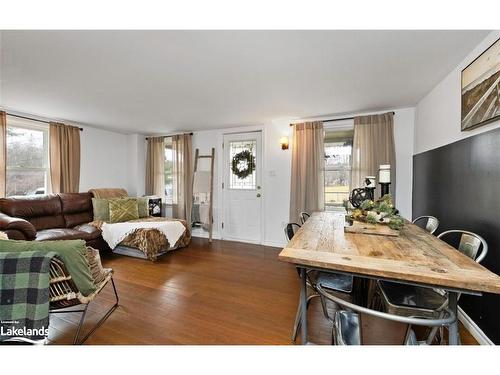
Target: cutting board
366, 228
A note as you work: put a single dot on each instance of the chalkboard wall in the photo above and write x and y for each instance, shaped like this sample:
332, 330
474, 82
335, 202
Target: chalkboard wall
460, 184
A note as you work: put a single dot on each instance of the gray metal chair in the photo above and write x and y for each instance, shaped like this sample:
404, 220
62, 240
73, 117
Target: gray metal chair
290, 230
408, 300
304, 216
431, 223
346, 328
332, 281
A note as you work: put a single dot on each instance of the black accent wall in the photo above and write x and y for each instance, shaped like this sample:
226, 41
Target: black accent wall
460, 184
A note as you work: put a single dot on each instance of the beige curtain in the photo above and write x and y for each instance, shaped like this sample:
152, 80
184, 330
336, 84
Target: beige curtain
183, 176
308, 159
373, 145
64, 152
155, 166
3, 152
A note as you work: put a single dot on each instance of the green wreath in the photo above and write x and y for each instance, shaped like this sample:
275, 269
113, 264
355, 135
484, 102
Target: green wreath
243, 164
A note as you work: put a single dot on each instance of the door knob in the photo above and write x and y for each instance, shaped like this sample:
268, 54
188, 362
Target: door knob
258, 195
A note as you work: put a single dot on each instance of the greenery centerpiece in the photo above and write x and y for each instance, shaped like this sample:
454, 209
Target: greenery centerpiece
380, 211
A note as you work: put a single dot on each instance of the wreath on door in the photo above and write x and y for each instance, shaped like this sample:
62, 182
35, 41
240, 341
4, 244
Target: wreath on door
243, 164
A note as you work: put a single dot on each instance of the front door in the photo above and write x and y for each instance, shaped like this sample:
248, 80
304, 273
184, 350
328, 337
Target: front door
242, 206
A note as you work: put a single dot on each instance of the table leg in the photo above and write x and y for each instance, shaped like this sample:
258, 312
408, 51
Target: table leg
303, 305
453, 327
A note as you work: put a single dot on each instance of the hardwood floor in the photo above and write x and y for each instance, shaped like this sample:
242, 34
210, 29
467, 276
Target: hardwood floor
219, 293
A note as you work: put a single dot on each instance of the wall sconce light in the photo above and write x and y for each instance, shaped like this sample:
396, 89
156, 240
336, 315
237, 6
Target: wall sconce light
284, 143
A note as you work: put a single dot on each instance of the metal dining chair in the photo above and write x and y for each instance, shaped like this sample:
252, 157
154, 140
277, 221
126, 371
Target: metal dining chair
408, 300
431, 223
304, 216
290, 230
332, 281
346, 329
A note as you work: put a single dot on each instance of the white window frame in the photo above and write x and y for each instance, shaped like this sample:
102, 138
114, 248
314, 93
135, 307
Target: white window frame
337, 126
168, 202
14, 122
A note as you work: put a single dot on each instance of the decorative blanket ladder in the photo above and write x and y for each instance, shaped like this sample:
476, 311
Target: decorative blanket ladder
203, 184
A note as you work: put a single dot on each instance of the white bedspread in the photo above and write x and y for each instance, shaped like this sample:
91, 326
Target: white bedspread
115, 233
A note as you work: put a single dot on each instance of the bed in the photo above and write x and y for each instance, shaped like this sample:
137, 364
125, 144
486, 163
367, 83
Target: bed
146, 238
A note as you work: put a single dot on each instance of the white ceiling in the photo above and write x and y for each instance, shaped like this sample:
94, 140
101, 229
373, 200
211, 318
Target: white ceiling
162, 81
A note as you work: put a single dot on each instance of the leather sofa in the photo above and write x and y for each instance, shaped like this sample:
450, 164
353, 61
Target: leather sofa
50, 217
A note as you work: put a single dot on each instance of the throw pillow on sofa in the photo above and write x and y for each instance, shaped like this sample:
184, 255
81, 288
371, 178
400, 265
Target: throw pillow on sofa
143, 206
101, 209
121, 210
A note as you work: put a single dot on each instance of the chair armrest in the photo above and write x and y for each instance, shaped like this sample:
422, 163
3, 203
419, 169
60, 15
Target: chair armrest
8, 223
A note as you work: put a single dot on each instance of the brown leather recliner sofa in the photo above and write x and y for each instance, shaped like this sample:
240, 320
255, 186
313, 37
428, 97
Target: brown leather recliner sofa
50, 217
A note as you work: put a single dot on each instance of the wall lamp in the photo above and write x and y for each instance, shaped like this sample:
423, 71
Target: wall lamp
284, 143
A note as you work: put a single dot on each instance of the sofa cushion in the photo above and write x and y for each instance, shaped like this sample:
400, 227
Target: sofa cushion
121, 210
90, 231
43, 211
61, 234
76, 208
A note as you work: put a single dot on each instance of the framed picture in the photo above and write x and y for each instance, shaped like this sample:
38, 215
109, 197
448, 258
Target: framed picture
155, 207
481, 89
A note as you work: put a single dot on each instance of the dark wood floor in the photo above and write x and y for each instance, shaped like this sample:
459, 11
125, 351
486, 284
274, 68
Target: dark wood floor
219, 293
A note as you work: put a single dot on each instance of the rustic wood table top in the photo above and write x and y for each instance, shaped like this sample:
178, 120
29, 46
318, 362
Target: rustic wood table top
415, 256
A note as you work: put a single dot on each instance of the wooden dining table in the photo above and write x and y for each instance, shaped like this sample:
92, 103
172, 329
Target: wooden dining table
414, 257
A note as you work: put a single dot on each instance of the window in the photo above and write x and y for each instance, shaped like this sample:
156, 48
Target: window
237, 147
27, 157
169, 171
338, 148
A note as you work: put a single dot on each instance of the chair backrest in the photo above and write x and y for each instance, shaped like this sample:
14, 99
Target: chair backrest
447, 318
290, 230
470, 244
431, 224
304, 216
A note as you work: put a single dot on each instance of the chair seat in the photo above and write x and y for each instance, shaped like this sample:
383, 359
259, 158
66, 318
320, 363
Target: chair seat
347, 328
411, 296
334, 281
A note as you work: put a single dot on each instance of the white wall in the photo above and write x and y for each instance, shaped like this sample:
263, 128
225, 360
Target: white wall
103, 159
135, 164
437, 115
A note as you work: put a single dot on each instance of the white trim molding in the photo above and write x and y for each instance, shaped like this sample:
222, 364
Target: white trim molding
473, 328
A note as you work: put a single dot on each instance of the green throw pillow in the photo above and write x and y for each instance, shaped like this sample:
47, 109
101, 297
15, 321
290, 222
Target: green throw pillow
121, 210
72, 253
143, 206
101, 209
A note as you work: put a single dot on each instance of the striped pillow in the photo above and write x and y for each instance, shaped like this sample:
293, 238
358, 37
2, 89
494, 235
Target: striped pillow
121, 210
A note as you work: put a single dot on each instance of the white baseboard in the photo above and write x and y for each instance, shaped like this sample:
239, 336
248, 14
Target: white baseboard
473, 328
204, 234
274, 243
216, 236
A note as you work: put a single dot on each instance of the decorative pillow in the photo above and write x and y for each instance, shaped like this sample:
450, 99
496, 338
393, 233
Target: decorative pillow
123, 210
143, 206
96, 270
101, 209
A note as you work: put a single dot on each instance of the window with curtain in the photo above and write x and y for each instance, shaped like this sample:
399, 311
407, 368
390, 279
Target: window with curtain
27, 167
338, 150
169, 169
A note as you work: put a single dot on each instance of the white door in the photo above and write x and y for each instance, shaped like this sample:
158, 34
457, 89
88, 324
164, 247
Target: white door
242, 191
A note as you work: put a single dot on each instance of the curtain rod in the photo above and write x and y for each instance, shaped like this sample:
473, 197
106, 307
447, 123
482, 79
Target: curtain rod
343, 118
165, 136
32, 119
